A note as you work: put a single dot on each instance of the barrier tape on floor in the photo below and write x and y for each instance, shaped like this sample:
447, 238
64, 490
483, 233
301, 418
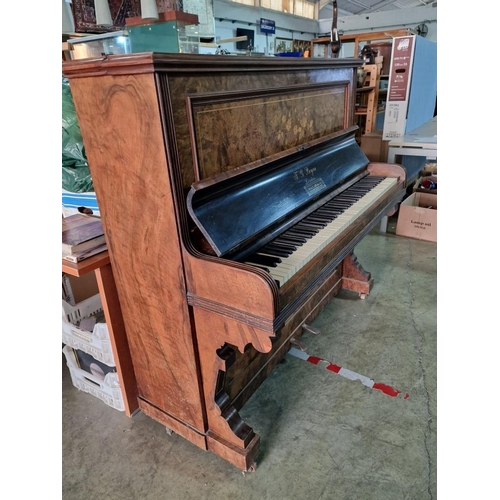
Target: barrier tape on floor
344, 372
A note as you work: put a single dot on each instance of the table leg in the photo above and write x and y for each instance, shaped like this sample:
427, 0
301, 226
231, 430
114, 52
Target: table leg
383, 224
118, 338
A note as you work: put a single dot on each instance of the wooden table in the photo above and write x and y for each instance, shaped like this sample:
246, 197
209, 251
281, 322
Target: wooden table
420, 142
101, 265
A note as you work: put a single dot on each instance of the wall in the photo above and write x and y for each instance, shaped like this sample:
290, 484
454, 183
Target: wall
293, 27
287, 26
378, 21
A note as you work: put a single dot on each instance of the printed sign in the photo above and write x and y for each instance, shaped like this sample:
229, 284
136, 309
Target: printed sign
267, 26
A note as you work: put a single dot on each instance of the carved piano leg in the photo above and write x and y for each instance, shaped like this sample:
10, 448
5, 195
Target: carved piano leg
354, 277
228, 435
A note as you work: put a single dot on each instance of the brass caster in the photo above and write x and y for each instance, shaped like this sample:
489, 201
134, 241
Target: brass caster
252, 468
362, 296
169, 431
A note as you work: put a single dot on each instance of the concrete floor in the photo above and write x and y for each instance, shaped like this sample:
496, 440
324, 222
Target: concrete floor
323, 436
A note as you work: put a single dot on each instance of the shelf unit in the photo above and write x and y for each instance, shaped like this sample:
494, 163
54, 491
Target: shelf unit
367, 99
357, 38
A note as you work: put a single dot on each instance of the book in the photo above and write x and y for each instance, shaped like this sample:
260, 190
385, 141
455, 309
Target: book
84, 254
81, 232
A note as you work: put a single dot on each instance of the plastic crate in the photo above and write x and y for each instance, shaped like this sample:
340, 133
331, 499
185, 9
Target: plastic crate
96, 343
107, 389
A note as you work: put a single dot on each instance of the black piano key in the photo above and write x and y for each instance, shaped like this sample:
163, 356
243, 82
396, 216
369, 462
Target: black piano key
308, 233
306, 230
283, 244
349, 197
314, 220
341, 203
264, 260
274, 252
295, 240
332, 214
311, 224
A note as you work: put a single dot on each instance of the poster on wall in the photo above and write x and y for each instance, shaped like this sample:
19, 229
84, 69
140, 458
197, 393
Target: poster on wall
301, 45
282, 45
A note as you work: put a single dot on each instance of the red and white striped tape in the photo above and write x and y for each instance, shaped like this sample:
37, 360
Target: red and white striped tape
349, 374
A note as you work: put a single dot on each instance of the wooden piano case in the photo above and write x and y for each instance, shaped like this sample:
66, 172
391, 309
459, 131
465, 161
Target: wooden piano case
205, 331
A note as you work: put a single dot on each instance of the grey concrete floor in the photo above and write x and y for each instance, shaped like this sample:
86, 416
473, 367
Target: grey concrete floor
323, 436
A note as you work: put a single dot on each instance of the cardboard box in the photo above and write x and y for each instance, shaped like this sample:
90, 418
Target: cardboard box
374, 147
76, 290
417, 188
416, 219
431, 168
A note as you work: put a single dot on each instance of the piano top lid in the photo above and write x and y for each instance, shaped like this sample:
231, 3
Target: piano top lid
233, 209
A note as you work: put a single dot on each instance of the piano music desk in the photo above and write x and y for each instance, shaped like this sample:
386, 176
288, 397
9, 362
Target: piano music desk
101, 265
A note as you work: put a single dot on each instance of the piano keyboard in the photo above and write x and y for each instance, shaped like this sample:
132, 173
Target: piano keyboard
288, 253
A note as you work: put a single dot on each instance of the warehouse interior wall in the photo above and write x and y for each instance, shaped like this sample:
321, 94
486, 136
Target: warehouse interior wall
228, 16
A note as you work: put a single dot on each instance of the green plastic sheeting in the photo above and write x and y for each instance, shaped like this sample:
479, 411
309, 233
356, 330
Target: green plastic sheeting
76, 176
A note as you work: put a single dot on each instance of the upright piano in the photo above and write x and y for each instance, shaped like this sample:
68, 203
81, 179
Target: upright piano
232, 193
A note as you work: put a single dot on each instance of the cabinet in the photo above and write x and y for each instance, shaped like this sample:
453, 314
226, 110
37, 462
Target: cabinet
320, 47
367, 99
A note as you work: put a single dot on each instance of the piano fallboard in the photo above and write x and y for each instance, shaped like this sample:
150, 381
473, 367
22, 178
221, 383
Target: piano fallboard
243, 211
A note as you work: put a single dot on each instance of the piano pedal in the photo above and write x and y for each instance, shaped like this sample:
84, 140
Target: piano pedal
310, 329
298, 344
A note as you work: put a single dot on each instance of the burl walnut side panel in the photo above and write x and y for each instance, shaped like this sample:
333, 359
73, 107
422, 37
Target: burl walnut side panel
121, 127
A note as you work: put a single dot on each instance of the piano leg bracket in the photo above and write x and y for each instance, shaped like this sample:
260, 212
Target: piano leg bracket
355, 278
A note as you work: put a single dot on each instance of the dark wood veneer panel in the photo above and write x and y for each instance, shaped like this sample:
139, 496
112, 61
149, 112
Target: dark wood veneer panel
183, 87
234, 130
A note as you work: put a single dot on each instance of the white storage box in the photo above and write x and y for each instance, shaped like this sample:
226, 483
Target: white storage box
107, 390
96, 343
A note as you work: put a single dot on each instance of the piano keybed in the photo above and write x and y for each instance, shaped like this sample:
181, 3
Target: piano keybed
284, 256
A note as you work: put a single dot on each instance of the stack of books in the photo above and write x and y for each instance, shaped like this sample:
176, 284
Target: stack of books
82, 237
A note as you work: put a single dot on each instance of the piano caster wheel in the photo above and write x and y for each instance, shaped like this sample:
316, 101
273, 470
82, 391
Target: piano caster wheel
362, 296
252, 468
169, 431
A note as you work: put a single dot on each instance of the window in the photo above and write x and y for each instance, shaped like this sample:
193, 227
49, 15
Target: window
247, 2
302, 8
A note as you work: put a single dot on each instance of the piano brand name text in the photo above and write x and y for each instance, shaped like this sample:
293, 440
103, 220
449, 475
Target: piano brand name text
303, 172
